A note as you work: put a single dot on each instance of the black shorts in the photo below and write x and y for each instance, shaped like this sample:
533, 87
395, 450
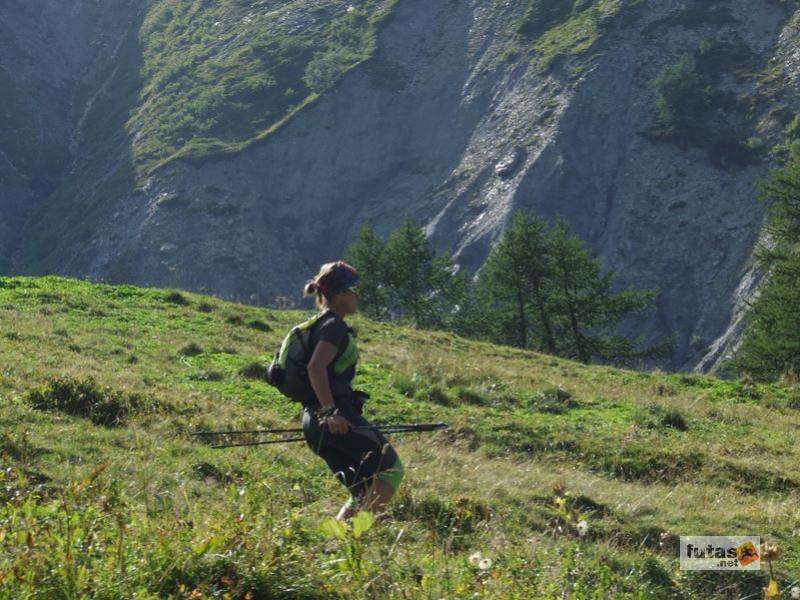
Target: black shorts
354, 457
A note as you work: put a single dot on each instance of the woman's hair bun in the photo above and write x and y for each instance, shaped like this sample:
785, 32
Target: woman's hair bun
311, 288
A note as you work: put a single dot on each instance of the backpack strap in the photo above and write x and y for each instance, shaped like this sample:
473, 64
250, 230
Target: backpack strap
300, 339
307, 350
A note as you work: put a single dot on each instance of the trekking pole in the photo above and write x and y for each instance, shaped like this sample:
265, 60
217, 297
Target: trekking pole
245, 431
388, 428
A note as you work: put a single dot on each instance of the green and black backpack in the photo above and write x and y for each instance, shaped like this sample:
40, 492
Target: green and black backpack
289, 368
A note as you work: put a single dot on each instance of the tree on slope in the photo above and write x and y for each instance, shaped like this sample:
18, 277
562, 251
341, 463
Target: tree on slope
771, 340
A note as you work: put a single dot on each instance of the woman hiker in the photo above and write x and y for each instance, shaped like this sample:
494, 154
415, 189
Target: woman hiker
363, 460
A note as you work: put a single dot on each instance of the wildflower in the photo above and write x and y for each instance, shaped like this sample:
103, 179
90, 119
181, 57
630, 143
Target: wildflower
794, 592
485, 564
582, 527
475, 559
771, 551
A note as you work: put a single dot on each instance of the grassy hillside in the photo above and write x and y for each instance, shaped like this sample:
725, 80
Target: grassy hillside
218, 76
105, 494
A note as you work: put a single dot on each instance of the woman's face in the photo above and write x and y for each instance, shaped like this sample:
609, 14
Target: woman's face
352, 301
346, 302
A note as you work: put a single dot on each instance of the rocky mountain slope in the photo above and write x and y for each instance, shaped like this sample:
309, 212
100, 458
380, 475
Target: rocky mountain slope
137, 154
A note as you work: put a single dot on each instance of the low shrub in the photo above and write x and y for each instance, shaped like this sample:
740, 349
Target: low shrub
102, 405
176, 298
259, 325
254, 370
657, 417
191, 349
555, 400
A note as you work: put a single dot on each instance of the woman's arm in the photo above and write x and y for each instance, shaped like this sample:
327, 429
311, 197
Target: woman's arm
323, 355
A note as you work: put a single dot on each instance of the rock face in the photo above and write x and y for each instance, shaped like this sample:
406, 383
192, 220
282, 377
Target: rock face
456, 124
55, 56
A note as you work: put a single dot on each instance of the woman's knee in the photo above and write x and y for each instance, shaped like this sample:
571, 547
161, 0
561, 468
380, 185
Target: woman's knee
393, 475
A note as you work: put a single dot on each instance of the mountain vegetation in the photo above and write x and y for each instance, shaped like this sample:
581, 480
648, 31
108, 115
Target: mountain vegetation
539, 289
771, 343
553, 478
218, 76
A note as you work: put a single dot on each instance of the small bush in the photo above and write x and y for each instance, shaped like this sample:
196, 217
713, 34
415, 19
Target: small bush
84, 397
665, 389
191, 349
658, 417
234, 320
259, 325
747, 389
553, 400
682, 100
794, 398
205, 307
675, 419
176, 298
326, 69
435, 394
254, 370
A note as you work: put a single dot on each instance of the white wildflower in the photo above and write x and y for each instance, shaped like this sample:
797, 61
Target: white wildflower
582, 527
475, 559
485, 564
794, 592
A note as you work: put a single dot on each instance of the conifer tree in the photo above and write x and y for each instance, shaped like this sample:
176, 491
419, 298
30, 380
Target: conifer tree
419, 284
771, 339
516, 283
544, 290
366, 254
586, 305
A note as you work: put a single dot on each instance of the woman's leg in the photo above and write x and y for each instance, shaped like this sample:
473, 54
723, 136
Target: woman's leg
359, 459
383, 487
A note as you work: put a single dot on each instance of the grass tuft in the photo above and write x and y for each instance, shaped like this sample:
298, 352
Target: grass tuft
83, 397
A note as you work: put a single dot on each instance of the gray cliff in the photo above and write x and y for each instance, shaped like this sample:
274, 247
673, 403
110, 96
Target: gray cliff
445, 124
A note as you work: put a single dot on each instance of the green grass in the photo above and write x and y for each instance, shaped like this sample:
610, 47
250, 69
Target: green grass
554, 29
103, 492
218, 77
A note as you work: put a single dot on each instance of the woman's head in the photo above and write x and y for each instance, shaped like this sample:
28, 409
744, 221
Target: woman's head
335, 287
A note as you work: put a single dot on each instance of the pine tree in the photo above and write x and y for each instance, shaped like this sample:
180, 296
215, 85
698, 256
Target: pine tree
419, 284
584, 301
515, 281
543, 289
366, 254
771, 340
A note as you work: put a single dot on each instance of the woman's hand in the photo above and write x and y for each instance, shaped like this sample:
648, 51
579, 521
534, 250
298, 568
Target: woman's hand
337, 424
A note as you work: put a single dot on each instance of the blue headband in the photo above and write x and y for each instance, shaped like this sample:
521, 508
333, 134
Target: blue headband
339, 279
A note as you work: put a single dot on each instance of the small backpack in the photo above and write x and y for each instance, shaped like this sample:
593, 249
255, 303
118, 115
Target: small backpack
289, 368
